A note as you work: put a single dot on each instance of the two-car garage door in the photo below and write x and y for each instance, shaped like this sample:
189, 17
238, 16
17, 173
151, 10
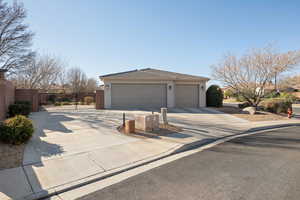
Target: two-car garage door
138, 95
152, 95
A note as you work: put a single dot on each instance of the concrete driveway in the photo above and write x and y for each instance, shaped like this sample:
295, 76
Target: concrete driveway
199, 122
62, 131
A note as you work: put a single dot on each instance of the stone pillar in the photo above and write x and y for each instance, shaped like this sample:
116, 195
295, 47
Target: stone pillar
171, 94
99, 99
164, 115
107, 95
202, 94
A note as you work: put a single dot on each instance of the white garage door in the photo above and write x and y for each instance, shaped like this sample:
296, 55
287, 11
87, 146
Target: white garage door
139, 95
187, 96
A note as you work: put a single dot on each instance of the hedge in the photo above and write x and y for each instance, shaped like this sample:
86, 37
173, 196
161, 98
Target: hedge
214, 96
19, 108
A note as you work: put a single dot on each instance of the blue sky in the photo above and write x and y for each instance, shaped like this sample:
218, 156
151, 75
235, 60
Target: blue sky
185, 36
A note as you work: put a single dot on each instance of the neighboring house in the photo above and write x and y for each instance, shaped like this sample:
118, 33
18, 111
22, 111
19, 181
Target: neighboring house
152, 88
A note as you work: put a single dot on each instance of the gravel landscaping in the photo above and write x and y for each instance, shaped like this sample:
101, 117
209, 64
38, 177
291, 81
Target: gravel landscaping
11, 155
260, 116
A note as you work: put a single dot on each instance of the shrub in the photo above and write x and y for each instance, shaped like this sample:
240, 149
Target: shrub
16, 130
273, 94
65, 99
19, 108
276, 105
66, 103
244, 105
52, 98
240, 98
229, 93
88, 100
57, 104
214, 96
23, 102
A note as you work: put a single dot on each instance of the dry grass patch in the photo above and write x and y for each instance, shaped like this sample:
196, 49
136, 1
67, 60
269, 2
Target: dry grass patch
11, 155
260, 116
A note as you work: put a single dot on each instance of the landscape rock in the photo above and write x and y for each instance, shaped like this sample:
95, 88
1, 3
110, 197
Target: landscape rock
251, 110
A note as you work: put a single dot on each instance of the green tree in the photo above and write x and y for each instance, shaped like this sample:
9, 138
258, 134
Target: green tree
214, 96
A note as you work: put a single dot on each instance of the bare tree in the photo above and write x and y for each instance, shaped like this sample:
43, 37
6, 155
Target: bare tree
63, 80
15, 38
42, 72
77, 80
289, 82
91, 85
248, 75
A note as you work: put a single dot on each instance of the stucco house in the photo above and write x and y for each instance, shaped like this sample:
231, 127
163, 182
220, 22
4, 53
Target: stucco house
153, 88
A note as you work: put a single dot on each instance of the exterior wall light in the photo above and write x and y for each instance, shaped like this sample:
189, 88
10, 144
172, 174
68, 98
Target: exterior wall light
170, 87
107, 86
202, 87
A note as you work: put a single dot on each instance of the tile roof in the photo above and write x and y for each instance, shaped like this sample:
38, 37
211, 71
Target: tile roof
152, 74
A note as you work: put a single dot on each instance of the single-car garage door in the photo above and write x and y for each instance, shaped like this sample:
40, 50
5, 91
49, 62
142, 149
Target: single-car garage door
138, 95
187, 96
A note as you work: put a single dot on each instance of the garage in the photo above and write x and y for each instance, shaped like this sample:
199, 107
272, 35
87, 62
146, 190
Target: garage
187, 95
138, 95
153, 88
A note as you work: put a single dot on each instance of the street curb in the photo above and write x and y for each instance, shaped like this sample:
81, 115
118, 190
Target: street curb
204, 144
273, 127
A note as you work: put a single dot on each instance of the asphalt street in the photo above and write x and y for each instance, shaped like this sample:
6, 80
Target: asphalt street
265, 166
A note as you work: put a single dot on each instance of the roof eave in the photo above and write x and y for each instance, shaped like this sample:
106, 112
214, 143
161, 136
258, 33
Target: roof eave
162, 79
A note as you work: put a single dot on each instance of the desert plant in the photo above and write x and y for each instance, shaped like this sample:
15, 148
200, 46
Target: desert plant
19, 108
16, 130
214, 96
276, 105
288, 96
88, 100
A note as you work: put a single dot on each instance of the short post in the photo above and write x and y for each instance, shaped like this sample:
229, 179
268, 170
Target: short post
164, 116
123, 119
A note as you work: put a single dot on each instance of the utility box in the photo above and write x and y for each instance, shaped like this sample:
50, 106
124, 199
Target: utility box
147, 122
129, 126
